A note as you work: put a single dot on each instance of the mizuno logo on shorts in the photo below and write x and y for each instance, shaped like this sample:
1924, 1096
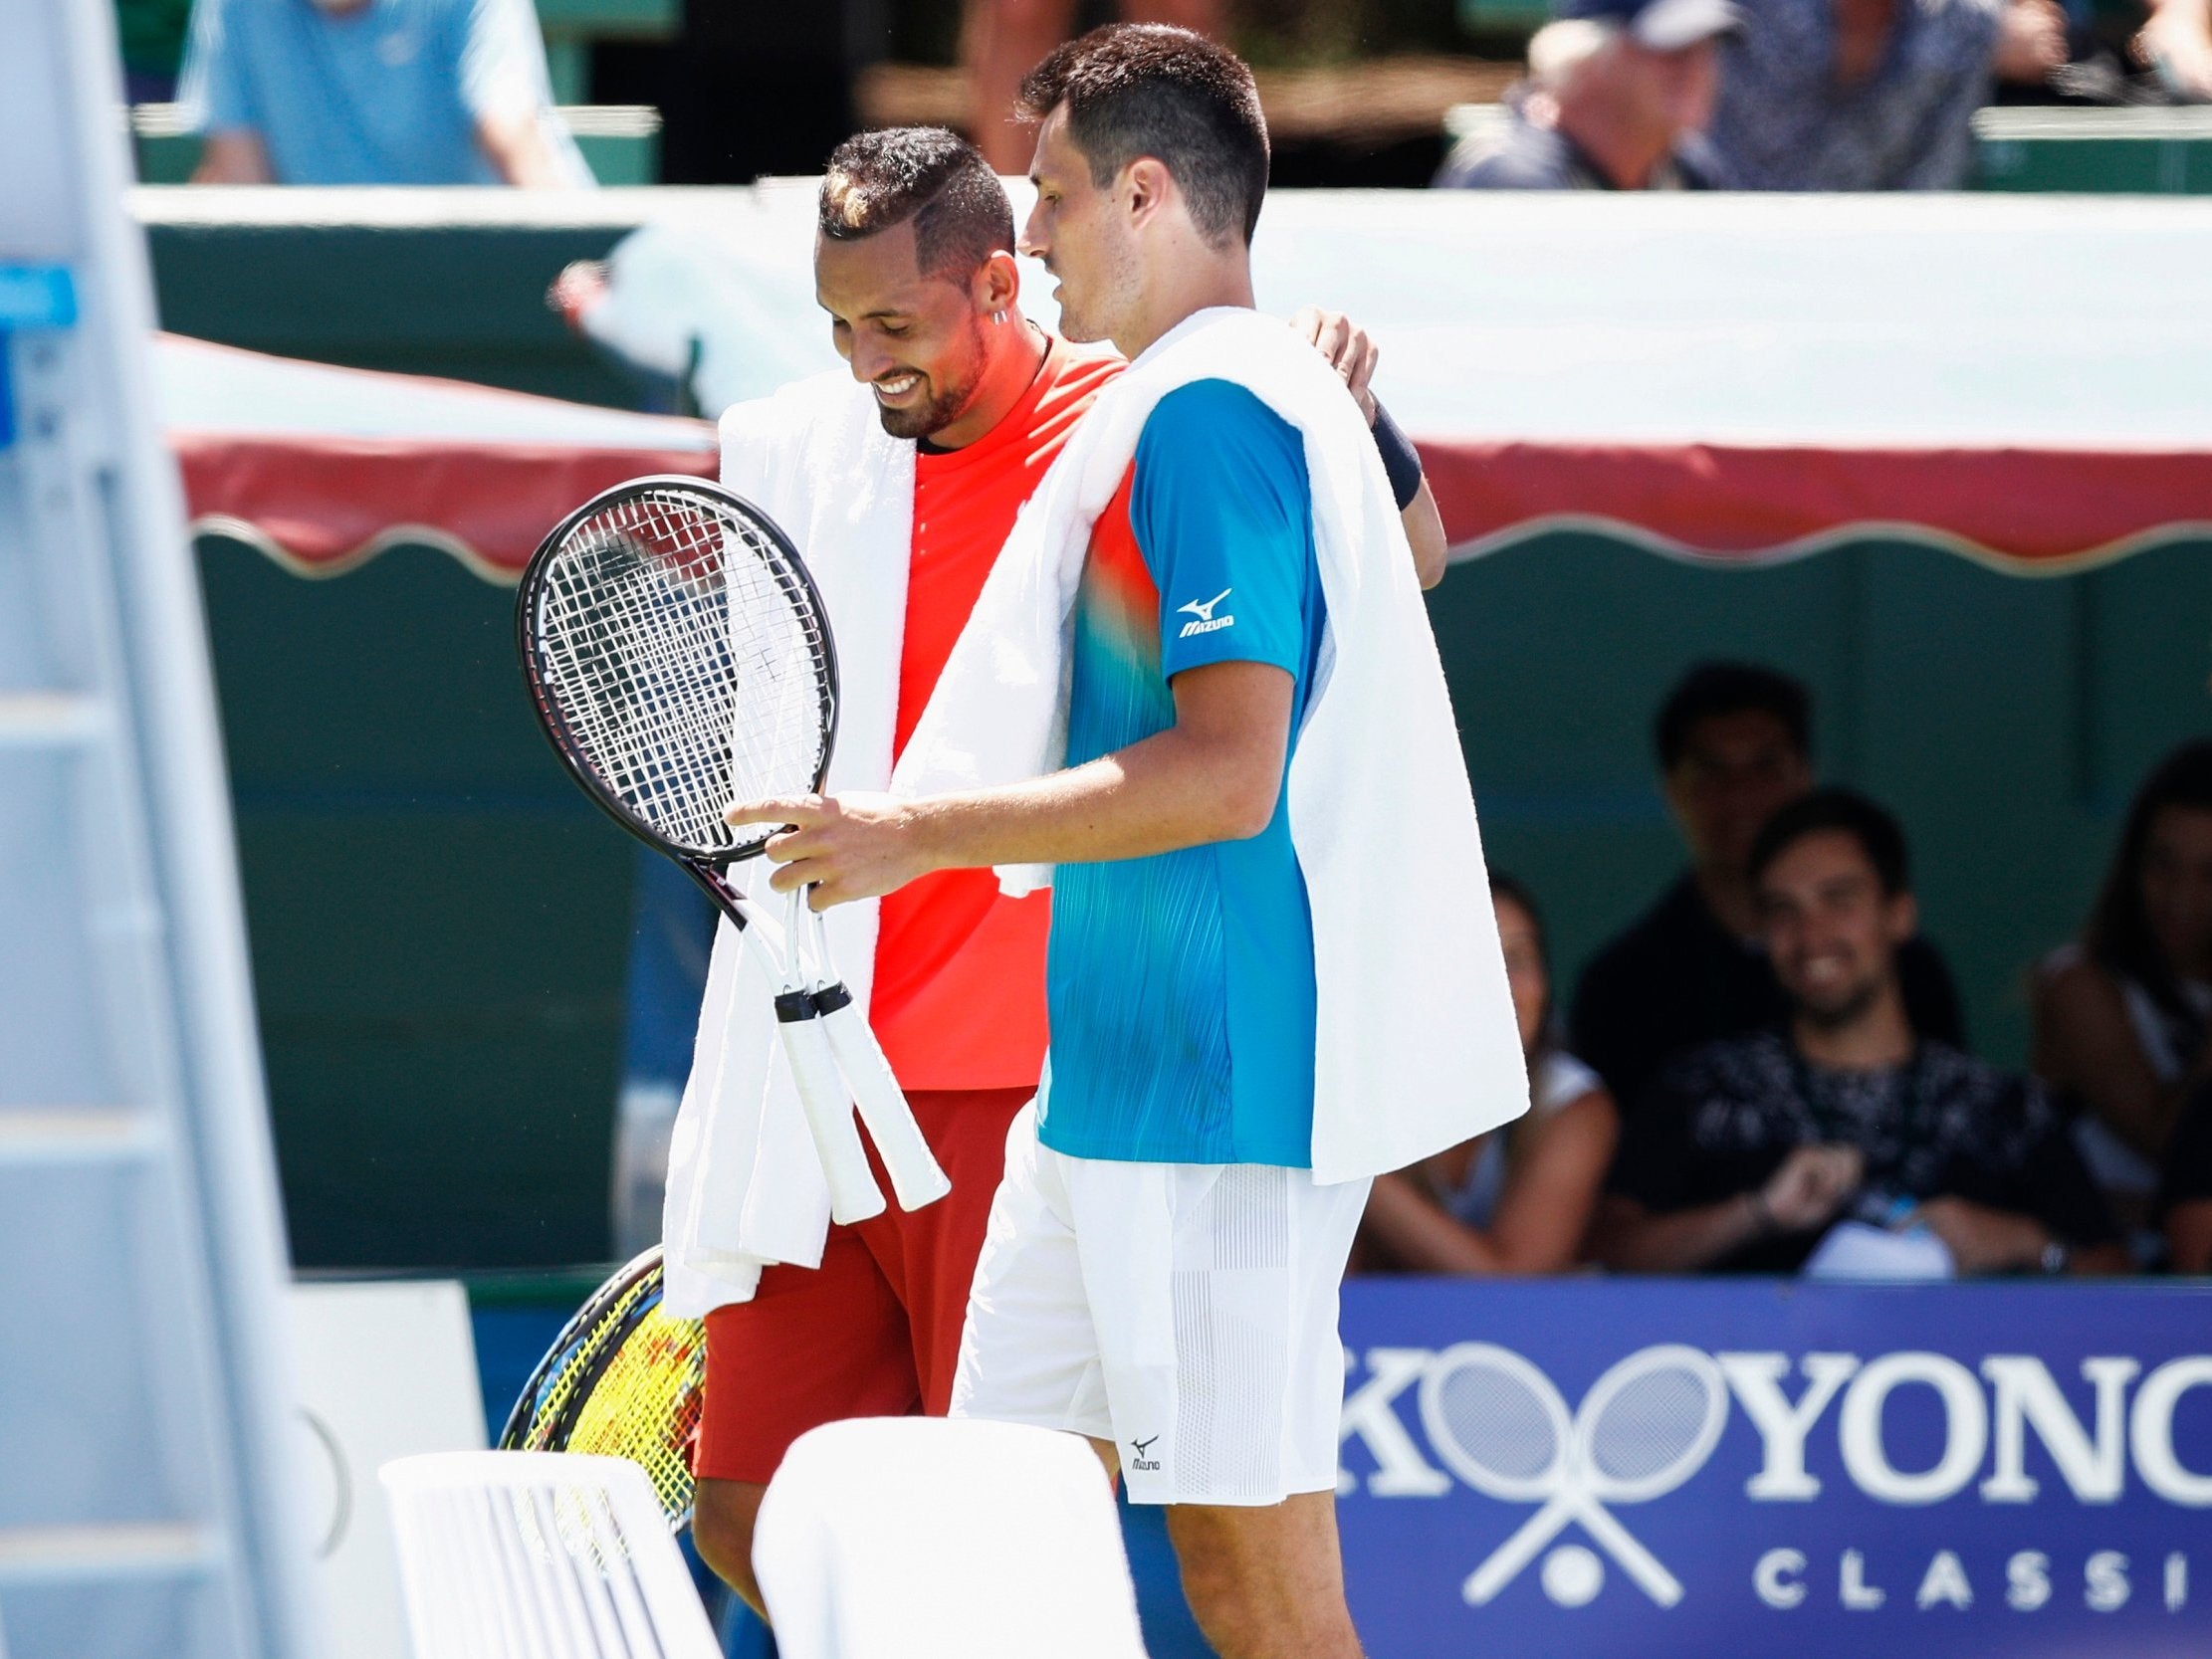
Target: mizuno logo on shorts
1207, 622
1140, 1447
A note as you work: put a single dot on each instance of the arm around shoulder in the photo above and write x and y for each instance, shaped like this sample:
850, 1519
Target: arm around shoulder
1424, 531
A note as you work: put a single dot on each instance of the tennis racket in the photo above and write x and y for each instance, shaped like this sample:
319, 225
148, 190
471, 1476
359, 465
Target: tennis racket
679, 659
622, 1379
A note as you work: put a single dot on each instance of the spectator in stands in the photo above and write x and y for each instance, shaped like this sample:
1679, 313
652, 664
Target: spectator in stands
1616, 97
1000, 40
1518, 1200
2186, 1193
2124, 1015
374, 92
1734, 744
1868, 95
1747, 1149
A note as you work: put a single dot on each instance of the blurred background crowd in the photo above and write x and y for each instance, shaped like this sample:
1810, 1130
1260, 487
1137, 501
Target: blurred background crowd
1631, 94
1768, 1070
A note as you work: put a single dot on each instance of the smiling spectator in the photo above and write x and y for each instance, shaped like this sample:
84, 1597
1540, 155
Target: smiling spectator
1734, 744
1747, 1150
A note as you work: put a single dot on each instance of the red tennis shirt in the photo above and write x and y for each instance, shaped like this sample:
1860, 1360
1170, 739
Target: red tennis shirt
958, 999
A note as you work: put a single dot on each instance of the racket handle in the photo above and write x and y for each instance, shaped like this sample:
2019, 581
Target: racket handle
853, 1193
915, 1173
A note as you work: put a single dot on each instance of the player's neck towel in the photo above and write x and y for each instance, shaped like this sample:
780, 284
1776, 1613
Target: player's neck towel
1415, 1048
744, 1183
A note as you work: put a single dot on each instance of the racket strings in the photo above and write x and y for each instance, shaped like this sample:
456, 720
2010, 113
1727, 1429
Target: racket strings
625, 1381
646, 1405
584, 1355
687, 660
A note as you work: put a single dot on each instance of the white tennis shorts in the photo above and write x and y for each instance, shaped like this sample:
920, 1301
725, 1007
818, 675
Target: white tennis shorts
1185, 1312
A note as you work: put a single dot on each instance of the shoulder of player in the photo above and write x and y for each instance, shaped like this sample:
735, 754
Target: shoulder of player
1077, 374
1220, 421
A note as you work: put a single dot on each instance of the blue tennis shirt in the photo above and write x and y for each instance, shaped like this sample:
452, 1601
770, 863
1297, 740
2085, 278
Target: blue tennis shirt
1181, 986
388, 94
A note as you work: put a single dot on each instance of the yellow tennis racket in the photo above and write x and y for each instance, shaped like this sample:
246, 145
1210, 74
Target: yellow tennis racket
622, 1379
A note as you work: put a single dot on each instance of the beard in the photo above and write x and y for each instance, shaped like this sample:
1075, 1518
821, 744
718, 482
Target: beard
947, 402
1839, 1009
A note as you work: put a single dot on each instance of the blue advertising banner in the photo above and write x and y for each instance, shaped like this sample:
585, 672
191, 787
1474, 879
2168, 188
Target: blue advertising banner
1606, 1467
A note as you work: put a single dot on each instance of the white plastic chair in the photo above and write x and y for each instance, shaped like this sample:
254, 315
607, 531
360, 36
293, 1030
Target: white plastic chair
917, 1538
539, 1555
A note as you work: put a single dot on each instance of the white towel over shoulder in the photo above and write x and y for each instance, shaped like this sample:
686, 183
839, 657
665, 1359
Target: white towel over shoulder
744, 1183
1416, 1048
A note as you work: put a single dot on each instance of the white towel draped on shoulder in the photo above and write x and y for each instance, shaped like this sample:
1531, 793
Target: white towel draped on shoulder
744, 1183
1416, 1047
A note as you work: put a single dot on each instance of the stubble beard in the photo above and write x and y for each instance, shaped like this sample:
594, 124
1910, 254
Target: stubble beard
947, 403
1843, 1011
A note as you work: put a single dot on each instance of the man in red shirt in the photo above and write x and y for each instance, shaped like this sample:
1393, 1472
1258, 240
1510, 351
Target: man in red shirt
913, 264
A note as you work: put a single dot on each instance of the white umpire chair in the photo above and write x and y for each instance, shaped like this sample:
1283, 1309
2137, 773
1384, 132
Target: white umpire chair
539, 1555
919, 1538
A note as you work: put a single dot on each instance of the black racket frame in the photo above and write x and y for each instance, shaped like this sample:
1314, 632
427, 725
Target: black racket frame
706, 868
515, 1436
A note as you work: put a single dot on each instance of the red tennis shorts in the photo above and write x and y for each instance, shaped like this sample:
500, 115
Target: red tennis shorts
874, 1331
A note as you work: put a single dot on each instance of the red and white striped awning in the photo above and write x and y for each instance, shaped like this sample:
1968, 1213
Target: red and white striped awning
324, 468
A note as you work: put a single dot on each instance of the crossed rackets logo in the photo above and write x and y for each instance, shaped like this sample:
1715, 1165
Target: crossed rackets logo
1646, 1426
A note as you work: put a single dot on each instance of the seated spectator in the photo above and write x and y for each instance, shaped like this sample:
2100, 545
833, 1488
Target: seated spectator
1747, 1149
1617, 92
374, 92
2123, 1016
1518, 1200
2186, 1193
1860, 94
1734, 744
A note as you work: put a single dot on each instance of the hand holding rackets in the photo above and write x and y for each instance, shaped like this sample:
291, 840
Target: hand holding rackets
838, 847
679, 659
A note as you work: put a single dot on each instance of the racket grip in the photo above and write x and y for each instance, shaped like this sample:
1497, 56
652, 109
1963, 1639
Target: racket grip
853, 1193
915, 1173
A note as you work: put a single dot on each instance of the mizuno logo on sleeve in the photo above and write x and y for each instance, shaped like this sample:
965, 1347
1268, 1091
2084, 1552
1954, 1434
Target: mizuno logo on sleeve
1207, 622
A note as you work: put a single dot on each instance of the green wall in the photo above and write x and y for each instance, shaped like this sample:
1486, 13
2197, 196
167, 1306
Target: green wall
2005, 718
438, 918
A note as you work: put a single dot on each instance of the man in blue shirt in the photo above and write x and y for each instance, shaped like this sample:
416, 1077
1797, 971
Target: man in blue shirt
1161, 1270
374, 92
1181, 986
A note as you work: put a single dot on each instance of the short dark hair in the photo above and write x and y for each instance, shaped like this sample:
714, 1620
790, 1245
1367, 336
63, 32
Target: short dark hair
1876, 832
936, 178
1148, 89
1712, 688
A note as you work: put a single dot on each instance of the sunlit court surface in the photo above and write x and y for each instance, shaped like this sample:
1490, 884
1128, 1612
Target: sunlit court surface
981, 828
